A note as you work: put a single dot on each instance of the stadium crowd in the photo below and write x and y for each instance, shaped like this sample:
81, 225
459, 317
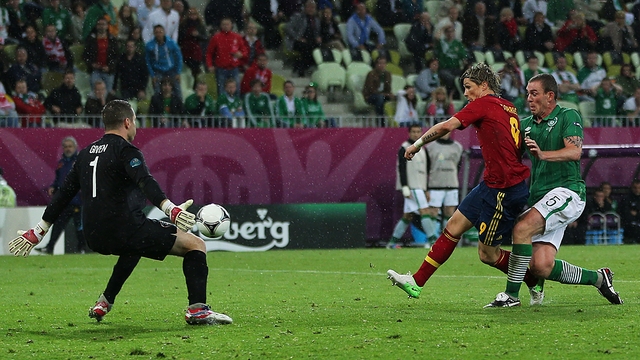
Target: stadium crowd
61, 59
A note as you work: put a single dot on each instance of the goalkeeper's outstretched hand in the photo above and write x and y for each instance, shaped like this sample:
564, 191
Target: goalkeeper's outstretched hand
25, 242
179, 215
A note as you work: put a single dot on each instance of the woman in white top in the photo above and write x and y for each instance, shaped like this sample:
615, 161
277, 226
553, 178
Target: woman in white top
406, 113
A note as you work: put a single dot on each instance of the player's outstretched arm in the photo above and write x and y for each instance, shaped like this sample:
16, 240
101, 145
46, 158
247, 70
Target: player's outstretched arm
27, 240
179, 215
435, 132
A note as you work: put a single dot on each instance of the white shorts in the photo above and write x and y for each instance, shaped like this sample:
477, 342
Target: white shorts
559, 207
417, 201
437, 198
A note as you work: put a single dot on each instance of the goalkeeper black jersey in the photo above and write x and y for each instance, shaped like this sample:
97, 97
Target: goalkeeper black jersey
115, 183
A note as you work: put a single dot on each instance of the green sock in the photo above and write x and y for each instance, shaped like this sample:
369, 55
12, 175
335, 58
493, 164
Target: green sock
566, 273
518, 263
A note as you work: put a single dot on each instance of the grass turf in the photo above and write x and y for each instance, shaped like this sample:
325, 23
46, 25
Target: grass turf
334, 304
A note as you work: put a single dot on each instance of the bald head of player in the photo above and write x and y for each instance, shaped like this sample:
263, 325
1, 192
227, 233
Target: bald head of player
120, 119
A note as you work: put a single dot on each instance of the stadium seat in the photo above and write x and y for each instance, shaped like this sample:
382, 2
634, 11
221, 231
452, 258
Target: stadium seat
497, 66
212, 84
394, 69
393, 56
588, 111
433, 8
390, 113
277, 85
397, 83
613, 228
83, 83
329, 75
347, 58
489, 58
549, 60
568, 104
357, 68
570, 60
10, 53
540, 57
400, 31
519, 55
289, 54
634, 58
186, 79
411, 79
596, 229
51, 80
479, 56
343, 31
319, 58
458, 104
78, 60
355, 82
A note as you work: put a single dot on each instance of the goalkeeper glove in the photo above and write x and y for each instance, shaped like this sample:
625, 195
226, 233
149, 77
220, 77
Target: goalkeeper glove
27, 240
178, 215
406, 192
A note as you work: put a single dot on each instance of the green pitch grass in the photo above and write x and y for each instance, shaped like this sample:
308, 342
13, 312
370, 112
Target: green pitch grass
334, 304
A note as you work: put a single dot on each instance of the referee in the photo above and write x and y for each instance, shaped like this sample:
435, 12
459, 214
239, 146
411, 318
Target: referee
115, 184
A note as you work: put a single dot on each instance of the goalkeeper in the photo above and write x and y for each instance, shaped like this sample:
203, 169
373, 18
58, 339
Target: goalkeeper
115, 183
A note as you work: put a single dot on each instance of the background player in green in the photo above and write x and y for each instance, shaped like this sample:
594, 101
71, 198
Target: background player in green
553, 136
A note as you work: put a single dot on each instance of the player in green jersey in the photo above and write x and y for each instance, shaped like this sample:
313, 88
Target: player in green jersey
553, 136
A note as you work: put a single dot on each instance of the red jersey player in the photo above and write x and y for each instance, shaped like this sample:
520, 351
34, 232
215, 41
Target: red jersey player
494, 204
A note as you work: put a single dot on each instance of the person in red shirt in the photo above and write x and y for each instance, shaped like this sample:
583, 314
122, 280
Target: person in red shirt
257, 71
253, 44
28, 106
101, 51
494, 204
224, 54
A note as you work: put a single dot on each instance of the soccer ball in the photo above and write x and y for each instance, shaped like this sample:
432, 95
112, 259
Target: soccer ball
213, 221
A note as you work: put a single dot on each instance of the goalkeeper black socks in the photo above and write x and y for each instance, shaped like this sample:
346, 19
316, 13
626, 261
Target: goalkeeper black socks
196, 272
121, 272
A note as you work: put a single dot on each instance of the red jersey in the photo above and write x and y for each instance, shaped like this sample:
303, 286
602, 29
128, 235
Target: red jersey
498, 129
221, 48
254, 72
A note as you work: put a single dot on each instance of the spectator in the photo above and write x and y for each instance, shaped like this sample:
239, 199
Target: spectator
74, 209
576, 35
606, 96
126, 22
406, 113
103, 9
136, 36
28, 106
8, 114
257, 71
530, 7
266, 13
516, 7
605, 186
412, 9
23, 70
597, 204
101, 55
229, 105
538, 36
77, 21
478, 29
191, 35
631, 108
224, 54
590, 9
452, 57
441, 106
508, 36
7, 195
590, 75
389, 12
58, 54
329, 30
533, 69
200, 105
428, 79
568, 83
66, 99
145, 10
289, 109
450, 21
377, 87
313, 108
131, 73
303, 36
166, 103
258, 107
216, 10
164, 60
165, 16
359, 28
60, 17
511, 82
419, 40
96, 101
618, 36
4, 23
34, 47
630, 214
253, 45
180, 7
17, 20
289, 7
558, 11
627, 80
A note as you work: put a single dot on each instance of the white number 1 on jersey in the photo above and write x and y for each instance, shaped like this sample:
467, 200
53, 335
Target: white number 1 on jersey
94, 164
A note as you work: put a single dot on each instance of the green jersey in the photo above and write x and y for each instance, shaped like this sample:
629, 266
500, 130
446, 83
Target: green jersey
193, 105
259, 110
314, 111
290, 118
550, 134
61, 19
606, 102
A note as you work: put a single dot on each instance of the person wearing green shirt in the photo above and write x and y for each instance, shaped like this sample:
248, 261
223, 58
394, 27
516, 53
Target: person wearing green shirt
103, 9
607, 99
313, 108
290, 109
229, 105
553, 137
452, 55
258, 107
200, 104
59, 17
